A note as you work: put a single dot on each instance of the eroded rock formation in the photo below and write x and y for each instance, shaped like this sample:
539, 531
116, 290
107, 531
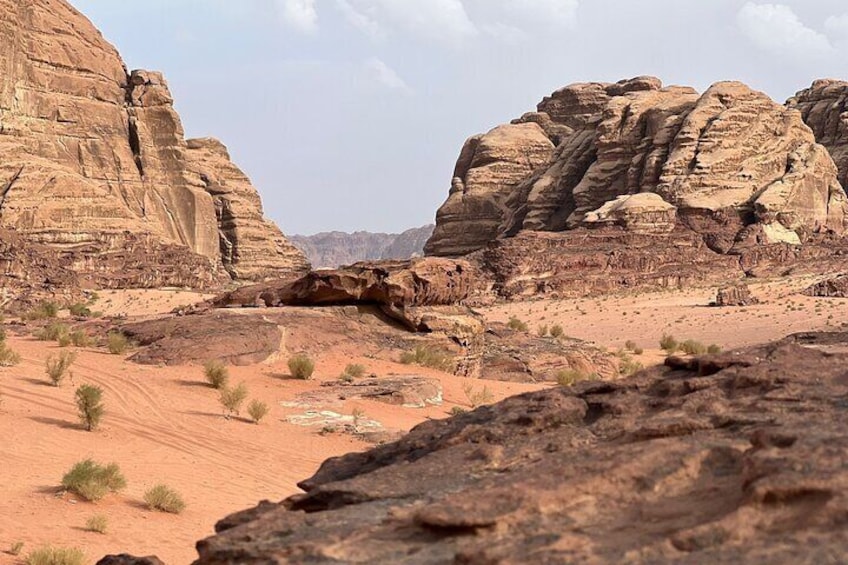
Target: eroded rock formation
718, 163
95, 159
836, 287
331, 250
723, 459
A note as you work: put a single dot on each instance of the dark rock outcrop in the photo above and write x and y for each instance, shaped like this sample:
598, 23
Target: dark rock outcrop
730, 458
95, 161
125, 559
735, 296
836, 287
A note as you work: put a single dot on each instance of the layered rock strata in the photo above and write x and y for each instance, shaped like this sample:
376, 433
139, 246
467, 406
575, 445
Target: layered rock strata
717, 163
95, 157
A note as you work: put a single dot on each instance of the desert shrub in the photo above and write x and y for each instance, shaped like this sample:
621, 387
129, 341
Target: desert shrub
301, 366
557, 331
257, 410
692, 347
97, 523
90, 405
542, 330
354, 371
668, 343
8, 356
80, 339
16, 548
478, 397
627, 366
42, 311
517, 325
54, 331
217, 374
164, 499
570, 377
458, 411
57, 366
714, 349
49, 555
117, 343
232, 399
428, 357
80, 310
64, 340
93, 481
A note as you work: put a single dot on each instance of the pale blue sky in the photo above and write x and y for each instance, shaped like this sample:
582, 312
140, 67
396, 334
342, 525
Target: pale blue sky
349, 114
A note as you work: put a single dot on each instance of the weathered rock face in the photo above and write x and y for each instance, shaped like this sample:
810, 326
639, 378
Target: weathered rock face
721, 161
94, 156
823, 108
335, 249
396, 287
735, 296
735, 458
836, 287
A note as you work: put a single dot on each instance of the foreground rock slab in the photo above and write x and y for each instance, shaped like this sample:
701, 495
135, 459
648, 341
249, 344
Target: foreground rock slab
731, 458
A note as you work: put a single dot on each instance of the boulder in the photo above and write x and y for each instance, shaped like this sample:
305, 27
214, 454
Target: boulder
408, 391
735, 296
698, 462
125, 559
95, 160
637, 213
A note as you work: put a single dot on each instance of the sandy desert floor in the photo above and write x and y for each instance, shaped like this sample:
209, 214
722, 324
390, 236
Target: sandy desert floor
163, 424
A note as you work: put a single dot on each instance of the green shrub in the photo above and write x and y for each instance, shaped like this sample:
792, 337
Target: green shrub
80, 310
217, 374
97, 523
80, 339
425, 356
692, 347
301, 367
570, 377
8, 357
117, 343
354, 371
57, 366
164, 499
93, 481
64, 340
54, 331
477, 397
714, 349
458, 411
90, 405
542, 330
668, 343
557, 331
43, 311
232, 399
517, 325
627, 366
257, 410
49, 555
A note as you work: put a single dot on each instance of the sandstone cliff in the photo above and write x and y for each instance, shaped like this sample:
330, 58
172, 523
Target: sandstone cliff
95, 157
334, 249
720, 162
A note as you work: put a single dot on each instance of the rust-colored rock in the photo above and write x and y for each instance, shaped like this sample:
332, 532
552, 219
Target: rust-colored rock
724, 160
395, 286
735, 458
95, 160
735, 296
836, 287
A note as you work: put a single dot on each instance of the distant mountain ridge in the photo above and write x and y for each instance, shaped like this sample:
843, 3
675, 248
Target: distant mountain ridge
333, 249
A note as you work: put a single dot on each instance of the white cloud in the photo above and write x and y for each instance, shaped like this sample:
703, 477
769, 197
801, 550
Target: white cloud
444, 21
554, 13
362, 21
837, 25
301, 15
775, 28
379, 71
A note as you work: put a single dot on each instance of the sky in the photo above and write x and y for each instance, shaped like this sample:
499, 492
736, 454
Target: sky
350, 114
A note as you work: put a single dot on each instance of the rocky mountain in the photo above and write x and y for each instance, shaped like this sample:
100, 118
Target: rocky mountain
729, 165
96, 165
334, 249
730, 458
